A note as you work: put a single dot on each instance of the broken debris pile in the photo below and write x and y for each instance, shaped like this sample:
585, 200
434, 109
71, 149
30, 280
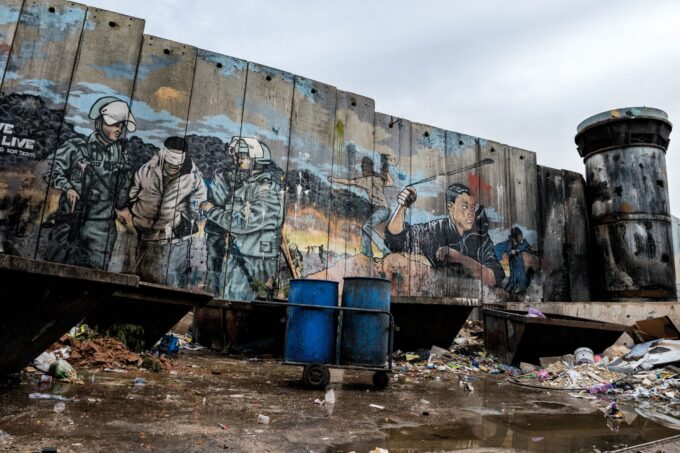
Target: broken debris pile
466, 355
102, 352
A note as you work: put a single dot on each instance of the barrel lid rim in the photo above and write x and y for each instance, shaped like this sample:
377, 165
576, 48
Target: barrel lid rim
367, 278
313, 280
623, 113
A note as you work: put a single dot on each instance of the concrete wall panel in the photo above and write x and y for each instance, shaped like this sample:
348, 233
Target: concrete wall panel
463, 169
393, 148
351, 204
308, 189
34, 92
163, 208
253, 261
9, 18
523, 202
100, 76
215, 116
428, 177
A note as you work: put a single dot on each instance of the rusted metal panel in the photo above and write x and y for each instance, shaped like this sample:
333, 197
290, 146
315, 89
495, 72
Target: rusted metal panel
54, 297
424, 325
241, 327
155, 308
392, 146
308, 189
34, 91
215, 114
516, 337
676, 251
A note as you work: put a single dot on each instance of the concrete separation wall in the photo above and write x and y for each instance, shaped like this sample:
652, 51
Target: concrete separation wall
131, 153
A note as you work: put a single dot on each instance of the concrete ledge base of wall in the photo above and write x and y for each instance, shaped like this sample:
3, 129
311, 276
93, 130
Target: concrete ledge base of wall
617, 312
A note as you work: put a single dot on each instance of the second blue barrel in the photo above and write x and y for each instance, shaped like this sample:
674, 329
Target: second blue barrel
310, 332
365, 336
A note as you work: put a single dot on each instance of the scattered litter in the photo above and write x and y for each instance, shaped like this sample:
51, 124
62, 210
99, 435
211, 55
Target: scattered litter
424, 402
61, 369
169, 345
222, 425
535, 313
379, 450
655, 328
47, 396
329, 398
44, 360
612, 411
59, 407
263, 419
584, 356
140, 382
115, 370
376, 406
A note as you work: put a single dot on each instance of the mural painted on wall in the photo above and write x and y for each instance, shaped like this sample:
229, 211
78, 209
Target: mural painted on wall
220, 175
458, 240
246, 204
92, 175
164, 198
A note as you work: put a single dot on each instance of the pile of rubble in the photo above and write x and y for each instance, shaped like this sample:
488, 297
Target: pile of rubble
465, 356
101, 352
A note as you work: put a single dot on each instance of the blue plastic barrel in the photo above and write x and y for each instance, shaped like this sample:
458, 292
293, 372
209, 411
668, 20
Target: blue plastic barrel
365, 336
310, 333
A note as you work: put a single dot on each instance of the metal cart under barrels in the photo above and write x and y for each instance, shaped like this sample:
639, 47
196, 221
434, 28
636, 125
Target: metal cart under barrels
321, 335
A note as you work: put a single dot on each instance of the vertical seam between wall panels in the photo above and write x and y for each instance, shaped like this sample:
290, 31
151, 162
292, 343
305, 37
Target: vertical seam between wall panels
285, 190
228, 234
186, 126
567, 216
61, 125
123, 146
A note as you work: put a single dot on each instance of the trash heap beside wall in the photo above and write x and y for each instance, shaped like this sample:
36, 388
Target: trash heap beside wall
135, 154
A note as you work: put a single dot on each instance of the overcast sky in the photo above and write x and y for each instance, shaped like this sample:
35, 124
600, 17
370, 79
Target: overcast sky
524, 73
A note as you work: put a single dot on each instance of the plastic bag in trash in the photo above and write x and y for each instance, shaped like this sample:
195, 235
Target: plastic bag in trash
61, 369
169, 344
44, 360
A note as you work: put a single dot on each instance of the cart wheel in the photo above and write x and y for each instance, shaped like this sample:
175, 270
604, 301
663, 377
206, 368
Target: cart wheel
381, 379
316, 376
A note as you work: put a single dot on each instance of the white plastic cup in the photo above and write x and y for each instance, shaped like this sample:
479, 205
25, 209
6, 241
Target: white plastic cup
584, 356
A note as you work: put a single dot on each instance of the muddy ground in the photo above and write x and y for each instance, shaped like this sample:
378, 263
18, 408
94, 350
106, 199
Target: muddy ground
211, 402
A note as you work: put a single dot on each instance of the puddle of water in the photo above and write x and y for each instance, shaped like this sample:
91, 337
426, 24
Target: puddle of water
525, 432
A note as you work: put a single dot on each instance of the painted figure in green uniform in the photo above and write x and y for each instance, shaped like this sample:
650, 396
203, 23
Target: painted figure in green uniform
248, 207
94, 176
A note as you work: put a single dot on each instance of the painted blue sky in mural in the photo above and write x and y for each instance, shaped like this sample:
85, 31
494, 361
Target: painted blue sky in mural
524, 73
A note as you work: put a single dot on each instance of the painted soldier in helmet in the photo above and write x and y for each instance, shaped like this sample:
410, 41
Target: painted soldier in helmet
93, 175
247, 204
